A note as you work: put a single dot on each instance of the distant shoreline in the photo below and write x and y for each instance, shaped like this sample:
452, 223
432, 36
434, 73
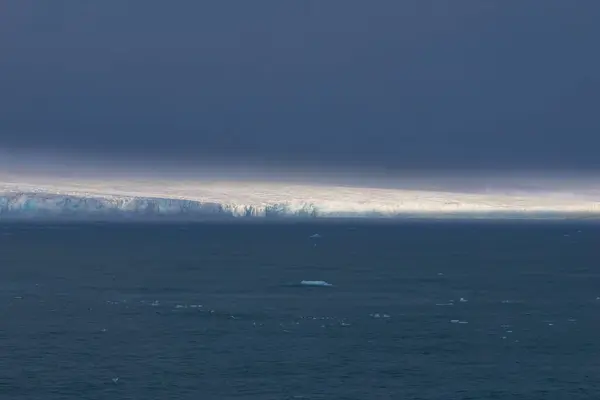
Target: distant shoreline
161, 201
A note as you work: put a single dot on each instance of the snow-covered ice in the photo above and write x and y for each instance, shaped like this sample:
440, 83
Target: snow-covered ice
144, 198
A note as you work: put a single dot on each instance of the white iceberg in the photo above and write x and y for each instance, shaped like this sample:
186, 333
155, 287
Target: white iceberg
315, 283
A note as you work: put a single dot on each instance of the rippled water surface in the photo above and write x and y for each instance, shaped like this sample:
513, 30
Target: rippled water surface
415, 311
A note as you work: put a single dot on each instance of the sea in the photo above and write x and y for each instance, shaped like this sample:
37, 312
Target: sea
346, 310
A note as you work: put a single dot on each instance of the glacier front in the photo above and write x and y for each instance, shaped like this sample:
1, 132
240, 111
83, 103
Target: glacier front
108, 199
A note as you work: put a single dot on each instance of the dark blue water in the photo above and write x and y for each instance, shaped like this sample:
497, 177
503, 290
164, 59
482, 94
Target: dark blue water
217, 312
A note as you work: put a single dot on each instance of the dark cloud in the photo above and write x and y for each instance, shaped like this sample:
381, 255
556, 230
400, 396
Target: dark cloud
389, 84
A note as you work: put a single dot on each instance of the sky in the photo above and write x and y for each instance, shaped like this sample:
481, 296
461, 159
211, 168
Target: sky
394, 86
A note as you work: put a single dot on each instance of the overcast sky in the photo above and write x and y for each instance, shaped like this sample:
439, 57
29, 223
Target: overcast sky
402, 85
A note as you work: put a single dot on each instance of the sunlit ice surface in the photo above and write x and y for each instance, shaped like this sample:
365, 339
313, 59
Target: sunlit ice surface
103, 191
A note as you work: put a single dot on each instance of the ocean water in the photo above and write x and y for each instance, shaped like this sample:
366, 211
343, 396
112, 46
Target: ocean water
206, 311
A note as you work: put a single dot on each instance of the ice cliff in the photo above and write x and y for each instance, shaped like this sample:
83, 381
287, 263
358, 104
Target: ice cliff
106, 200
22, 204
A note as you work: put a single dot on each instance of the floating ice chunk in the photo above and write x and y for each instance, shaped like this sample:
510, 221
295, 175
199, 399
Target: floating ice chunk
377, 315
315, 283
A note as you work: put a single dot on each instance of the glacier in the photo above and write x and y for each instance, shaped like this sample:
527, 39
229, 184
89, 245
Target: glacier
110, 199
